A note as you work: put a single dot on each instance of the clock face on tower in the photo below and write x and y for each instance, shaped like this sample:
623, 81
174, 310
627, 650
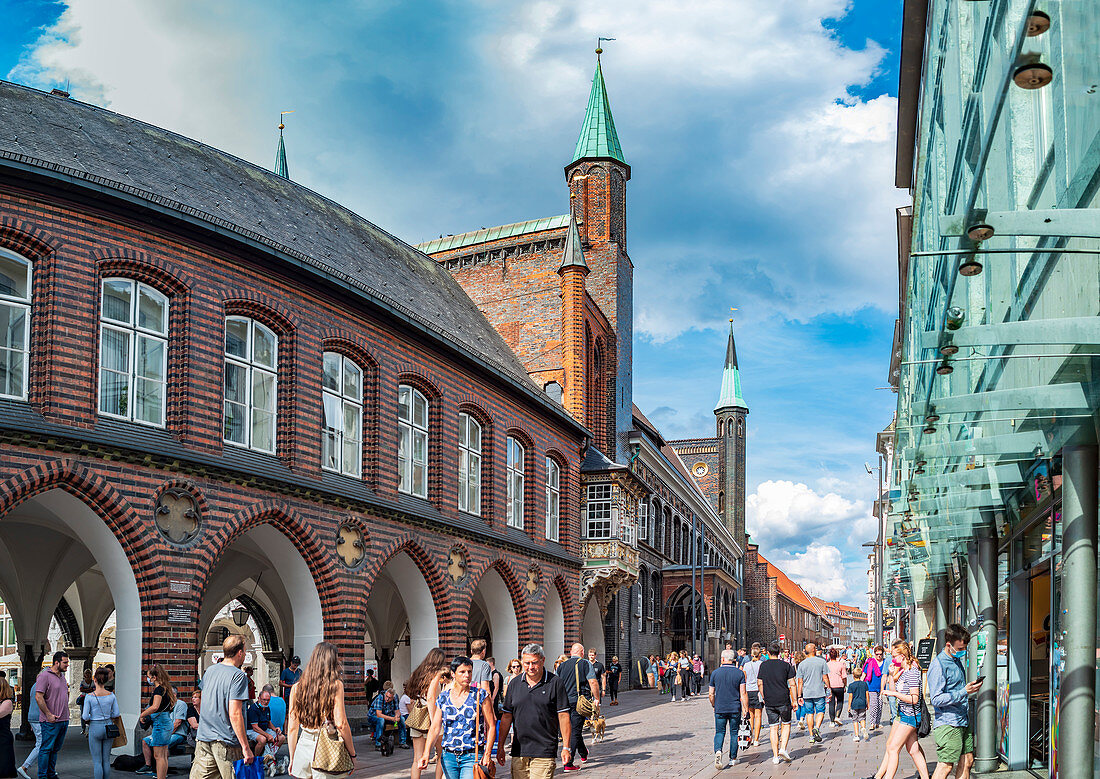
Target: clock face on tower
700, 470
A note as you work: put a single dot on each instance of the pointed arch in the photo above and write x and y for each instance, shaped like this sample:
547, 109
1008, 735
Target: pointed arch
507, 629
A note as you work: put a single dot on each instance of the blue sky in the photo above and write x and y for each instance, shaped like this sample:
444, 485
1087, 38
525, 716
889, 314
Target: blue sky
761, 142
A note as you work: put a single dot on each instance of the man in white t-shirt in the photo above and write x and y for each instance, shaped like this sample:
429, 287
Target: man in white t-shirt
751, 667
403, 704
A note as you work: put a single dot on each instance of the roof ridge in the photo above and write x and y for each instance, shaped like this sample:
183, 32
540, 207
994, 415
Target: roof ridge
456, 241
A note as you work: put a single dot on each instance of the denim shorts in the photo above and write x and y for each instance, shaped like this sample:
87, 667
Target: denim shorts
162, 729
912, 720
815, 705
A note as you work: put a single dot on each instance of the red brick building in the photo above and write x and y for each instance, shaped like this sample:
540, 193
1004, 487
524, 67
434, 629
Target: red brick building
216, 385
849, 622
779, 609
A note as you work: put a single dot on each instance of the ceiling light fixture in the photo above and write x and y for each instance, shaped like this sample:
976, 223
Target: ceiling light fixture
944, 369
1037, 23
1033, 75
970, 268
979, 232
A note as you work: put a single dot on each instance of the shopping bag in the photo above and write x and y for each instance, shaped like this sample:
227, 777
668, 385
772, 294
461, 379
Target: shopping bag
253, 770
744, 734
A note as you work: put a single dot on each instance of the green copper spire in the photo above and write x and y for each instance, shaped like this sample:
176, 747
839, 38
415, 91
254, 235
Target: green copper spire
598, 137
731, 379
281, 168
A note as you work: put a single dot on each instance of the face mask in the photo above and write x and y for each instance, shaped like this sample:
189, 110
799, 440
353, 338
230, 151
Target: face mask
961, 656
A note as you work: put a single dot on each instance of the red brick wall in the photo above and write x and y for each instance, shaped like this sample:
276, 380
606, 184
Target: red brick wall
74, 246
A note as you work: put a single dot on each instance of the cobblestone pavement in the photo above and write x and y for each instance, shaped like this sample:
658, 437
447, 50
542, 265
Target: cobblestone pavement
649, 736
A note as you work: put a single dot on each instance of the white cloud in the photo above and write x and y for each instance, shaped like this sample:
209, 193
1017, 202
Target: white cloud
819, 570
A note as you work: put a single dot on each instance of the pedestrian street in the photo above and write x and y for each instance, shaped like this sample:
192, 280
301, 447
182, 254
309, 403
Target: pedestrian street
648, 736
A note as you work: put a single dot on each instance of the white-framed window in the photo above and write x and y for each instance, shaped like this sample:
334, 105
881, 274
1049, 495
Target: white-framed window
643, 521
553, 498
515, 482
15, 321
251, 357
342, 396
133, 351
412, 441
598, 511
469, 464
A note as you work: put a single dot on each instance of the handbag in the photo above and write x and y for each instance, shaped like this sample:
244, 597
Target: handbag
924, 727
419, 717
480, 771
744, 734
330, 753
113, 728
585, 705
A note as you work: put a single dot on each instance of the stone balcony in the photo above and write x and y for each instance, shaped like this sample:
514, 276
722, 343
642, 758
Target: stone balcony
608, 565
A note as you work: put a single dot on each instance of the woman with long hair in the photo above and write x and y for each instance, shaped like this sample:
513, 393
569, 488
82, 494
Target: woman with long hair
872, 674
99, 710
7, 743
838, 683
465, 719
159, 712
903, 733
316, 701
428, 675
515, 668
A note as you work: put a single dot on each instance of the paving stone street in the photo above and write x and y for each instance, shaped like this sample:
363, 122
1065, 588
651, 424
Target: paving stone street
648, 736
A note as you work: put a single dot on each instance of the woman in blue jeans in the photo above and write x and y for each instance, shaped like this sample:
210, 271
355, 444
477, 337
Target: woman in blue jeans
100, 709
160, 712
465, 718
903, 733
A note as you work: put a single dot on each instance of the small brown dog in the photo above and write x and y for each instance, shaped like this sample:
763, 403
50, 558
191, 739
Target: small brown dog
597, 724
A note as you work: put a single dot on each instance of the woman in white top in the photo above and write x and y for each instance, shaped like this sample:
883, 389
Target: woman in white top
100, 710
903, 733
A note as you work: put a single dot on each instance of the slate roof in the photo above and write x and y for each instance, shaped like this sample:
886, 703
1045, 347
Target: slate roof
788, 588
112, 154
484, 235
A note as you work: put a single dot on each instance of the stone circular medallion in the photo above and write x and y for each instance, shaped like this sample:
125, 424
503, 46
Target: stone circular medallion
177, 516
351, 548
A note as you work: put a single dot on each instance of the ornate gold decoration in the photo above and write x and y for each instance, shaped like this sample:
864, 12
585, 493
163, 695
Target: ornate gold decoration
456, 565
177, 515
350, 546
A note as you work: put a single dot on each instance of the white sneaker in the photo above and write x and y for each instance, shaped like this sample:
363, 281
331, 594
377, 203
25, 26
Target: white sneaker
22, 773
855, 739
718, 759
775, 761
783, 754
731, 763
756, 743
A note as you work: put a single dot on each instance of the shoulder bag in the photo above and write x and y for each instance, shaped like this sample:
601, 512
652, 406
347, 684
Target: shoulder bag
480, 771
924, 727
113, 728
419, 717
330, 753
585, 706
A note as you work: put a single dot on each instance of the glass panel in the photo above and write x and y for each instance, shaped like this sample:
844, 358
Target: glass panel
13, 326
328, 449
352, 460
475, 435
331, 412
11, 373
263, 346
114, 392
404, 403
151, 358
403, 459
118, 300
420, 410
420, 480
263, 391
463, 429
236, 383
353, 422
149, 401
420, 447
330, 372
14, 277
236, 337
353, 381
115, 350
263, 430
235, 415
152, 310
474, 484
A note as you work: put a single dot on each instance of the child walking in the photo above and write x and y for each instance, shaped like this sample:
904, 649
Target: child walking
857, 704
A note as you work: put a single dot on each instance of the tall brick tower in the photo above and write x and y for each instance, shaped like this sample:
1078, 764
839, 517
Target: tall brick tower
597, 179
731, 412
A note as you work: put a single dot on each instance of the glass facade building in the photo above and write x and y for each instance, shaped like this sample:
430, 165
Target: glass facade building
996, 362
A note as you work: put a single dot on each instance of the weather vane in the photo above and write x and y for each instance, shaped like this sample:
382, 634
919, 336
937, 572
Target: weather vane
731, 311
599, 48
281, 115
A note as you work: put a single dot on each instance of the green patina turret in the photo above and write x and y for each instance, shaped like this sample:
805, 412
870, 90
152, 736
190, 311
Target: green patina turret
598, 138
731, 380
281, 168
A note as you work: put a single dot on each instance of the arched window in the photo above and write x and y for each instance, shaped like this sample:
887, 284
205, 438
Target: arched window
553, 498
412, 441
342, 392
15, 319
469, 464
251, 357
515, 482
133, 351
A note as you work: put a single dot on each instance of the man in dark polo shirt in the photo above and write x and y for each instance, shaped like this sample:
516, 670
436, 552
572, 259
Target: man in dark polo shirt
536, 708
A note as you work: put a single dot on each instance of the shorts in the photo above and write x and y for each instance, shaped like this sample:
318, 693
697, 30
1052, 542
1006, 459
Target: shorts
912, 720
301, 767
778, 714
754, 700
952, 742
176, 740
814, 705
162, 729
253, 734
857, 715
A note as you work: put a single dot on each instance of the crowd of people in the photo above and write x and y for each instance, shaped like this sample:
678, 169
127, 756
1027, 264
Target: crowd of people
766, 681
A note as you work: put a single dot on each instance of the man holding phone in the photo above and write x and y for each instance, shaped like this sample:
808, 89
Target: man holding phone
949, 694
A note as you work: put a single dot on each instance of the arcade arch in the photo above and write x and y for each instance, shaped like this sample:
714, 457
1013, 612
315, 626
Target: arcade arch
553, 623
493, 616
77, 557
401, 620
592, 634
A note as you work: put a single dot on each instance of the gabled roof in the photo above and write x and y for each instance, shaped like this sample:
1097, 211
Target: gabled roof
598, 137
119, 158
788, 588
448, 243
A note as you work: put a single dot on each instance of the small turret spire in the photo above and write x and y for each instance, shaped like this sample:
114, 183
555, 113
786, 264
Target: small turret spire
598, 137
281, 168
573, 256
731, 379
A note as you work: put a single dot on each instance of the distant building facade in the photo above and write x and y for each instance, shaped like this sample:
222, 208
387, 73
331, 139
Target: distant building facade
778, 608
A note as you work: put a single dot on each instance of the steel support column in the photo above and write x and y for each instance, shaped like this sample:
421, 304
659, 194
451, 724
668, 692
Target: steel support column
1078, 693
972, 616
985, 575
